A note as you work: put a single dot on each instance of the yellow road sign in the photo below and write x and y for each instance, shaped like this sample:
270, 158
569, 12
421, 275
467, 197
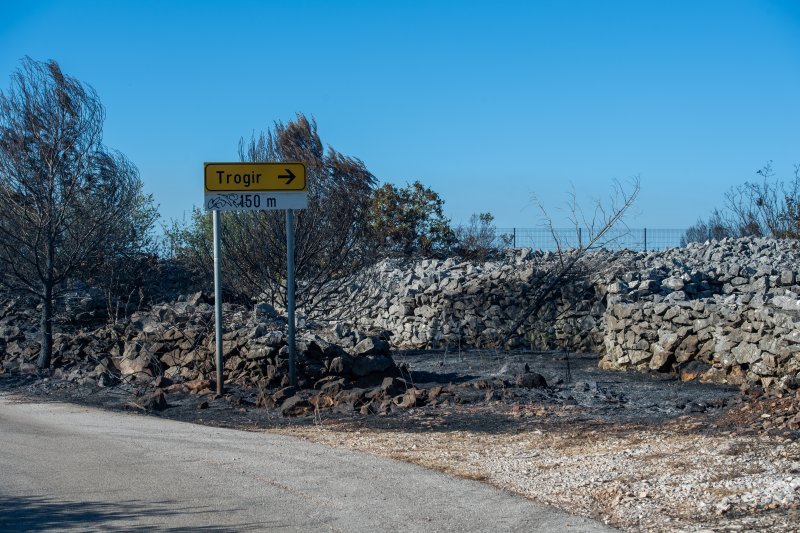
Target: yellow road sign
254, 177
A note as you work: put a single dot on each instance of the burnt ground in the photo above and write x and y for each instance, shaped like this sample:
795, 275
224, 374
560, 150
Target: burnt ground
476, 384
575, 380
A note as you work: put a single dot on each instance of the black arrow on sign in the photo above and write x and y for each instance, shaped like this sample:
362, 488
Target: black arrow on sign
288, 177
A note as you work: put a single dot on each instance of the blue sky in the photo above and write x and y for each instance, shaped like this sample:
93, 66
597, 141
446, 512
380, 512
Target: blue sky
488, 103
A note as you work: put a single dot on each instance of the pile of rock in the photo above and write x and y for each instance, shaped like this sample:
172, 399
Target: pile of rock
170, 348
336, 394
174, 343
177, 340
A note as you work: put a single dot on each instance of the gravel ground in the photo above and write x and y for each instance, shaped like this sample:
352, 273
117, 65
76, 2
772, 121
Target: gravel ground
634, 477
639, 452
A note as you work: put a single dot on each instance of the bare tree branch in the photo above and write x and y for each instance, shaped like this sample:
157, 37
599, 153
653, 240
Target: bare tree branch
569, 261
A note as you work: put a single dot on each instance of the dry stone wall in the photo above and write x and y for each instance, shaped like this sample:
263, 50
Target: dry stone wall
726, 311
438, 303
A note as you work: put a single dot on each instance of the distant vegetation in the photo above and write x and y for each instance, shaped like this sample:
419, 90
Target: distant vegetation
409, 222
766, 207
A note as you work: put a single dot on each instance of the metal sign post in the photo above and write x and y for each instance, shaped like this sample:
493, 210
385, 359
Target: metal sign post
217, 299
290, 295
255, 187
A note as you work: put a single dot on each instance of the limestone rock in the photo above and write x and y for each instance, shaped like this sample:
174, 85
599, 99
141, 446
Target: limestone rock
371, 346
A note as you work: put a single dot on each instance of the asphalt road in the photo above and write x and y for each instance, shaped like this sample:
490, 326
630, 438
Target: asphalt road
65, 467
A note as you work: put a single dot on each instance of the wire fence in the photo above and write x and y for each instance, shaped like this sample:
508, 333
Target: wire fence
636, 239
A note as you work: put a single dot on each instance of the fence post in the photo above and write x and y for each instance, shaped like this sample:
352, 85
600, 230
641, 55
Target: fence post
580, 237
514, 237
645, 239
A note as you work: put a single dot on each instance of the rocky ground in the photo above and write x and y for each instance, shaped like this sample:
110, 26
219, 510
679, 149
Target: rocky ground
641, 452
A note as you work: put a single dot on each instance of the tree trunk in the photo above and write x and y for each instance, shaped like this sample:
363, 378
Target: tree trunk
46, 350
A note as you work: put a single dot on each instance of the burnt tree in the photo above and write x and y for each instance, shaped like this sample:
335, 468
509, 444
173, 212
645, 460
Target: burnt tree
67, 200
